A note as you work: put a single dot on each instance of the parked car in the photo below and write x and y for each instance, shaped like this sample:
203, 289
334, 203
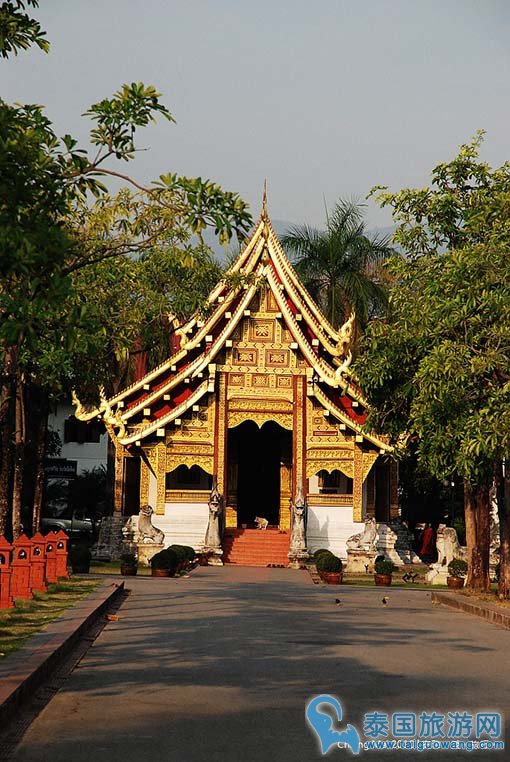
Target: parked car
75, 524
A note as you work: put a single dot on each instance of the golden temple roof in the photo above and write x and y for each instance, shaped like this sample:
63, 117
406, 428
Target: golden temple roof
169, 390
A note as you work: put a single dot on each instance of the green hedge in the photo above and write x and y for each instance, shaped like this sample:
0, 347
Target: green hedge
327, 562
165, 559
322, 552
384, 567
184, 552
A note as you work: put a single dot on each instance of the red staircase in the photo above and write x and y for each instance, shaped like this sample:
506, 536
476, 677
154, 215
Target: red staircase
256, 547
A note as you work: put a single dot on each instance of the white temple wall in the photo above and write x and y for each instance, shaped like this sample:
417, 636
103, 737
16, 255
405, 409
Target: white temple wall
183, 523
330, 527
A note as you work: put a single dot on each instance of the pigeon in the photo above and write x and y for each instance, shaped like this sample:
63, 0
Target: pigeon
385, 600
338, 601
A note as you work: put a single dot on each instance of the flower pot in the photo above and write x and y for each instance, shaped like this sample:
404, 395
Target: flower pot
455, 582
128, 571
333, 578
382, 580
160, 572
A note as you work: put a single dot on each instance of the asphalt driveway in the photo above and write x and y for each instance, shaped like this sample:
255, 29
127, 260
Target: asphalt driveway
220, 666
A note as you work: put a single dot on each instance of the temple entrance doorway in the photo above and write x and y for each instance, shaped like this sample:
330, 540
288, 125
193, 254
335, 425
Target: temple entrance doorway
257, 458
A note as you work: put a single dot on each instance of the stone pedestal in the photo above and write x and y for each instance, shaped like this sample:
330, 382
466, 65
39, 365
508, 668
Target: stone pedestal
386, 541
215, 557
146, 550
298, 559
360, 561
437, 574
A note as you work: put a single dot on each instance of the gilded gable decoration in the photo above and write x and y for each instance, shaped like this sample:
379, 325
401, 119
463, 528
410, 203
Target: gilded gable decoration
259, 389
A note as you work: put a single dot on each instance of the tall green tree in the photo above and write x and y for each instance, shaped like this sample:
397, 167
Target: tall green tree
338, 265
46, 183
437, 370
18, 30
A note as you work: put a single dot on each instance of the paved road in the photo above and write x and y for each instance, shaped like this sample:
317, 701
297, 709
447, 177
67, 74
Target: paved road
219, 666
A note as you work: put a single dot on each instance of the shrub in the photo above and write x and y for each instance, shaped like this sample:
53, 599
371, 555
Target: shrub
384, 567
165, 559
190, 553
457, 568
327, 562
321, 552
184, 552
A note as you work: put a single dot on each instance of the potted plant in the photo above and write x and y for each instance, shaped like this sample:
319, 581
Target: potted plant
383, 570
164, 563
128, 564
316, 556
190, 555
80, 557
185, 556
330, 566
458, 570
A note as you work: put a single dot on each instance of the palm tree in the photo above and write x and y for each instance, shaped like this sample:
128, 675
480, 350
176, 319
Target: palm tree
340, 266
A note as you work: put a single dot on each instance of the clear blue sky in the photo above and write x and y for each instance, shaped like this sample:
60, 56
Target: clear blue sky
324, 99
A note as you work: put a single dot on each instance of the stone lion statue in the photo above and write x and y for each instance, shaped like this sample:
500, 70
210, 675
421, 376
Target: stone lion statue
365, 540
448, 546
146, 531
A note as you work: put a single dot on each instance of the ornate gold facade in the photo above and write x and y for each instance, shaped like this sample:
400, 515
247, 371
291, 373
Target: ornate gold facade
266, 370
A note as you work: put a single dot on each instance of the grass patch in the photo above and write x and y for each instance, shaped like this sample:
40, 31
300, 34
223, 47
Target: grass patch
30, 616
399, 585
491, 597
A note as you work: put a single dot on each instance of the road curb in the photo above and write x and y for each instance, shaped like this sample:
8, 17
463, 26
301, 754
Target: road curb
27, 668
491, 612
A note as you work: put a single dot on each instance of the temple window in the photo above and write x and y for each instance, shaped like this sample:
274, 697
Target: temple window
188, 478
334, 483
81, 431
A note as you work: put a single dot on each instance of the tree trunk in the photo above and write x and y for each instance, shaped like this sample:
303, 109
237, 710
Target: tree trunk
19, 457
477, 517
6, 411
504, 532
41, 433
5, 474
470, 522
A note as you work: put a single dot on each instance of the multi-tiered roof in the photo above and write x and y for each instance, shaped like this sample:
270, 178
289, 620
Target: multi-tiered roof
165, 394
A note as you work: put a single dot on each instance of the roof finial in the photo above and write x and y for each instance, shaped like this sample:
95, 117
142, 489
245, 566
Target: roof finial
264, 200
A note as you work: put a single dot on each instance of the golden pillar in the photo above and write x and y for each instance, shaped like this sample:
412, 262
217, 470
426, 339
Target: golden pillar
144, 482
224, 481
299, 435
357, 488
160, 470
118, 491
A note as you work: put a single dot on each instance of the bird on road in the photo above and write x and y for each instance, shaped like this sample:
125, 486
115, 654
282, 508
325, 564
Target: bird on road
338, 601
385, 600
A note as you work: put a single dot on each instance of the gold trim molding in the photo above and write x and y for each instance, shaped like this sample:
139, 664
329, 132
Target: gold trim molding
192, 459
327, 500
345, 466
236, 417
187, 496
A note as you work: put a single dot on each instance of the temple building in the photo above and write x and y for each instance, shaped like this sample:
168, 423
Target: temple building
257, 394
